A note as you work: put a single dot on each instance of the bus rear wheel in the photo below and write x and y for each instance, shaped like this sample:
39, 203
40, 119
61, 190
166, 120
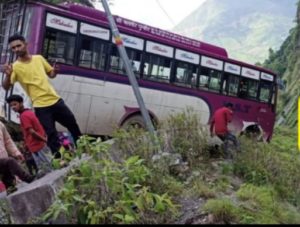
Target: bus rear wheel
135, 121
253, 132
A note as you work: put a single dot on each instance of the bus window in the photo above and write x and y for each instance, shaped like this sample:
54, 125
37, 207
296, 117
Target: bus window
230, 84
210, 79
215, 80
253, 88
92, 53
157, 68
265, 91
204, 78
233, 85
117, 64
185, 72
59, 46
248, 88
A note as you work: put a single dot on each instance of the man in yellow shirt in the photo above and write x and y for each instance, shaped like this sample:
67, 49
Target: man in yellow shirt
32, 72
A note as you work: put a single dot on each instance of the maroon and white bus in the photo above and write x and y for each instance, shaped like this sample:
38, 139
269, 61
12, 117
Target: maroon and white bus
173, 72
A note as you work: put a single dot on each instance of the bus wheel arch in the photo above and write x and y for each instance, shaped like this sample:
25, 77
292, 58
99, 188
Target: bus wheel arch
137, 120
253, 131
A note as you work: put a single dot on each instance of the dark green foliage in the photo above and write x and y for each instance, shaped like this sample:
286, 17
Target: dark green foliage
103, 191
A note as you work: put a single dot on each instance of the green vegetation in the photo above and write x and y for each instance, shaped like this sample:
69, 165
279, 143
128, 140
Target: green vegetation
126, 185
286, 63
104, 191
223, 210
261, 205
260, 164
285, 140
202, 189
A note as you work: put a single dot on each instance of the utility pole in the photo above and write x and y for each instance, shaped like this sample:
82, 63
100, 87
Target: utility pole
131, 76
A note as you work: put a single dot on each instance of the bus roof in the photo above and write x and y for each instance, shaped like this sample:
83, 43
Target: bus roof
87, 13
96, 16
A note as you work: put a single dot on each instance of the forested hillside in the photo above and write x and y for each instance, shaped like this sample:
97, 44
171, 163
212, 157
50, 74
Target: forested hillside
247, 29
286, 62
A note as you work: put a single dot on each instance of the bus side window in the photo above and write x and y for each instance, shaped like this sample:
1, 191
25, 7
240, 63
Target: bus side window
225, 84
115, 62
231, 84
265, 91
194, 81
59, 46
146, 69
248, 88
135, 58
204, 78
157, 68
210, 79
242, 89
185, 73
165, 69
215, 80
92, 53
253, 89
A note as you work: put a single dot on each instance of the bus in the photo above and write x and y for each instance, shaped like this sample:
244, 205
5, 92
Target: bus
173, 72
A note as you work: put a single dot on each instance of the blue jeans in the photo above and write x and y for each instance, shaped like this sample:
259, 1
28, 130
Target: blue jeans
229, 137
42, 159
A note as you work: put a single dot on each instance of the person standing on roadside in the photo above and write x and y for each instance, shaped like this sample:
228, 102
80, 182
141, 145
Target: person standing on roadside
32, 72
34, 135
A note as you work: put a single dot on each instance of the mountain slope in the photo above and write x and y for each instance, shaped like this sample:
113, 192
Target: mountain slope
286, 62
244, 29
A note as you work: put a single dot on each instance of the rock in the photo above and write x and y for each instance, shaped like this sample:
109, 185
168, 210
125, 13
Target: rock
32, 200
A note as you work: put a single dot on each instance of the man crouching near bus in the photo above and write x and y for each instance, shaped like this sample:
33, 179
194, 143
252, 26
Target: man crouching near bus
32, 72
218, 124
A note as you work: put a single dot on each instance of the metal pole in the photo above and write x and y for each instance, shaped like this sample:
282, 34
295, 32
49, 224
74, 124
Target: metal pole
130, 74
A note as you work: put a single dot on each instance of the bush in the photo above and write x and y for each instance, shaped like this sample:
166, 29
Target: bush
105, 191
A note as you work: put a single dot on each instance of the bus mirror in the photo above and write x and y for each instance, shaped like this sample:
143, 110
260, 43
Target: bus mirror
281, 84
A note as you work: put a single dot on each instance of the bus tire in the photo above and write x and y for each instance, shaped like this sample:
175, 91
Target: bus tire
134, 121
253, 132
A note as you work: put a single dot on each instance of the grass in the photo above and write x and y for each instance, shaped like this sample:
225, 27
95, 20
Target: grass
285, 140
261, 205
202, 189
270, 172
223, 210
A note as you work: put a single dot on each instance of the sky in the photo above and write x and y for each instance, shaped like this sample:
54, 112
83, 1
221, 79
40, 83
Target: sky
164, 14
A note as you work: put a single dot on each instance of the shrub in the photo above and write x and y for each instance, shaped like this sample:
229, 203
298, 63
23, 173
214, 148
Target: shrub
105, 191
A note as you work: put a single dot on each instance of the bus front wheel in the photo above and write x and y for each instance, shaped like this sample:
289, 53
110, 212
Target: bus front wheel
135, 121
